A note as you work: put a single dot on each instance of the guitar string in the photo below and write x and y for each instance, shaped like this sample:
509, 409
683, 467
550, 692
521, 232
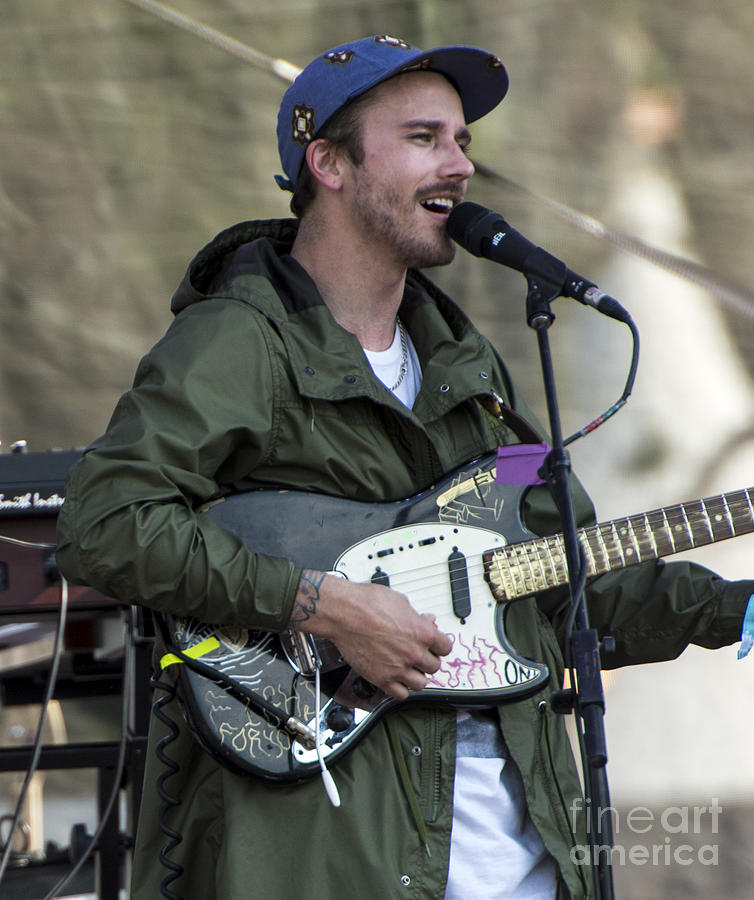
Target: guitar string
541, 556
637, 544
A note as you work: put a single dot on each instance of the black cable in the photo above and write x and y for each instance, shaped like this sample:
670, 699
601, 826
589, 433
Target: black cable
126, 701
578, 592
628, 388
256, 702
168, 800
52, 678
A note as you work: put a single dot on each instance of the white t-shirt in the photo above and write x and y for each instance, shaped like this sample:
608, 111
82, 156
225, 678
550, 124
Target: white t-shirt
386, 365
496, 853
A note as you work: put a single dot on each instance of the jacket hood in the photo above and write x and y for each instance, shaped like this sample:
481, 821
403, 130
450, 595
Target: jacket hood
223, 267
251, 262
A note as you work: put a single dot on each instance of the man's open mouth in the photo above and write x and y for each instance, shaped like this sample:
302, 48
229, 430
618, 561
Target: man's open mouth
441, 205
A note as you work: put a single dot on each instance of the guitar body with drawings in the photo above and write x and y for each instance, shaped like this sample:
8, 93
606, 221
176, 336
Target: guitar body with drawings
406, 544
458, 550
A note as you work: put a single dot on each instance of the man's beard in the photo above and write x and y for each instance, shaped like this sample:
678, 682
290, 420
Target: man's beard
378, 209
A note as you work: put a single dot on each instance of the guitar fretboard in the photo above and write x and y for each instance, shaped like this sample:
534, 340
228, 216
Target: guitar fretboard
518, 570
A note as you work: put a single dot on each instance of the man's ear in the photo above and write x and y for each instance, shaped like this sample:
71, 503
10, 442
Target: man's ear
325, 163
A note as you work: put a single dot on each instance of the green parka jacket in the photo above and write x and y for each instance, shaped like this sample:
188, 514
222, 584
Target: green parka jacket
254, 385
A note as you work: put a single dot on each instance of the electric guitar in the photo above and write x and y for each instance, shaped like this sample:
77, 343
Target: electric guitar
458, 550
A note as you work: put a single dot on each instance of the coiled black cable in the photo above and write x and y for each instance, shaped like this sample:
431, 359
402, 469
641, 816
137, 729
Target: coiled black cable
168, 800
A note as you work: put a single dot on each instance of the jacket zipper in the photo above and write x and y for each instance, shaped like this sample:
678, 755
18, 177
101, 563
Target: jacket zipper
432, 770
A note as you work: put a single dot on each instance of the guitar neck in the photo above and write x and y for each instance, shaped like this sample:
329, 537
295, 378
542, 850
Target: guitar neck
518, 570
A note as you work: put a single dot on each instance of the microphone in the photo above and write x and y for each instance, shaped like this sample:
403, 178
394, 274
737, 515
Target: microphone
485, 233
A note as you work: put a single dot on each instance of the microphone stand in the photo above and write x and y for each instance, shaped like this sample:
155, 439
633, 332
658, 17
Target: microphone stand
546, 277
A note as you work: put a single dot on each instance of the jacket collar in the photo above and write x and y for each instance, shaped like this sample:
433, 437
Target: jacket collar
251, 262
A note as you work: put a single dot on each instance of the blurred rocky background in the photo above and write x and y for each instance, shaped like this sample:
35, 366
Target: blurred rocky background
126, 144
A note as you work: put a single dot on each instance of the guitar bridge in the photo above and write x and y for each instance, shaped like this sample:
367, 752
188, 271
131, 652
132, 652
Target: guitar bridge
306, 653
301, 652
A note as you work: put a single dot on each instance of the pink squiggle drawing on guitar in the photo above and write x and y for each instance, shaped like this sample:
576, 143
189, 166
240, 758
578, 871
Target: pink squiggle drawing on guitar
471, 668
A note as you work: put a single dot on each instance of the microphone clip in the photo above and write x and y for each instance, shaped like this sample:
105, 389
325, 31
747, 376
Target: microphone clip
545, 277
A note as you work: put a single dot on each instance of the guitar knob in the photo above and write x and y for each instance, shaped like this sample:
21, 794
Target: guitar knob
363, 689
340, 718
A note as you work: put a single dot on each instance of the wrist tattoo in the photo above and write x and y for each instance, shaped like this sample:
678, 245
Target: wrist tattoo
307, 597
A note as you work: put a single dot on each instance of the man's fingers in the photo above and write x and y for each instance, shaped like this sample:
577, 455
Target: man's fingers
440, 644
415, 680
412, 680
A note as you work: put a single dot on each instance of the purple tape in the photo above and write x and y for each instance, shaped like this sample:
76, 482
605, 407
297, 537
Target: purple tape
520, 463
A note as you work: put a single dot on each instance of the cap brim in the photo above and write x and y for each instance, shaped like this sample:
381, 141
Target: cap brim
479, 77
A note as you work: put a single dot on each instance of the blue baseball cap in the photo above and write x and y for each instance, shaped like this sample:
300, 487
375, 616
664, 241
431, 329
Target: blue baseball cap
333, 79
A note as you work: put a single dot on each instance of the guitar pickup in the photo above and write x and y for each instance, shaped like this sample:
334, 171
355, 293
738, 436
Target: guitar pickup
459, 585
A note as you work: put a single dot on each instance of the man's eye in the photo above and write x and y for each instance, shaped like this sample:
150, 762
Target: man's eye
424, 136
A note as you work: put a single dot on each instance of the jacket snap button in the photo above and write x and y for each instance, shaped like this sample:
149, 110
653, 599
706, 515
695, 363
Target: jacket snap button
444, 388
484, 376
350, 379
405, 880
309, 370
416, 750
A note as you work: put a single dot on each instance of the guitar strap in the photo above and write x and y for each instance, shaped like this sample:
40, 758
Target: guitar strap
517, 463
499, 409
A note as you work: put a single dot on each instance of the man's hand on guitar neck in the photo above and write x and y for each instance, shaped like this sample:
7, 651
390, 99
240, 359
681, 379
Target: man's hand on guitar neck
375, 628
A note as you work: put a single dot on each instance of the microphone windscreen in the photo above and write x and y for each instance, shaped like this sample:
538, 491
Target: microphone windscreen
485, 233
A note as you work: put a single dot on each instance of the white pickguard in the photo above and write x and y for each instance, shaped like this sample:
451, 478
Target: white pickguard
415, 559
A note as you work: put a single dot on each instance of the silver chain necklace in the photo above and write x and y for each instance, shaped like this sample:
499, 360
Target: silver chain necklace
404, 357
